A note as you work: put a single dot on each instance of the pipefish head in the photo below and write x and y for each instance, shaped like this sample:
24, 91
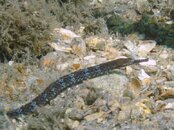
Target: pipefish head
122, 62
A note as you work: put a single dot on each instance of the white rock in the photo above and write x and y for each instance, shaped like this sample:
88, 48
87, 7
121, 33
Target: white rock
145, 47
10, 63
143, 75
150, 62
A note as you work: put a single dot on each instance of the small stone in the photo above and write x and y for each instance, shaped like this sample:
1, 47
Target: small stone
95, 116
160, 80
10, 63
129, 70
169, 106
123, 115
79, 103
143, 75
84, 93
164, 55
65, 35
75, 124
78, 46
145, 47
63, 41
169, 84
69, 122
75, 114
62, 66
112, 53
96, 43
114, 105
49, 60
89, 60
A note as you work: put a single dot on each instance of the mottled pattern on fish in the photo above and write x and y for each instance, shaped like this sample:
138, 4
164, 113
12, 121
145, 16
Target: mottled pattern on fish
68, 81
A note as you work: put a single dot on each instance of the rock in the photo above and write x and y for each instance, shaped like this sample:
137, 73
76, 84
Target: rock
164, 55
113, 83
145, 46
68, 41
65, 35
96, 43
49, 60
78, 46
123, 115
96, 116
75, 114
